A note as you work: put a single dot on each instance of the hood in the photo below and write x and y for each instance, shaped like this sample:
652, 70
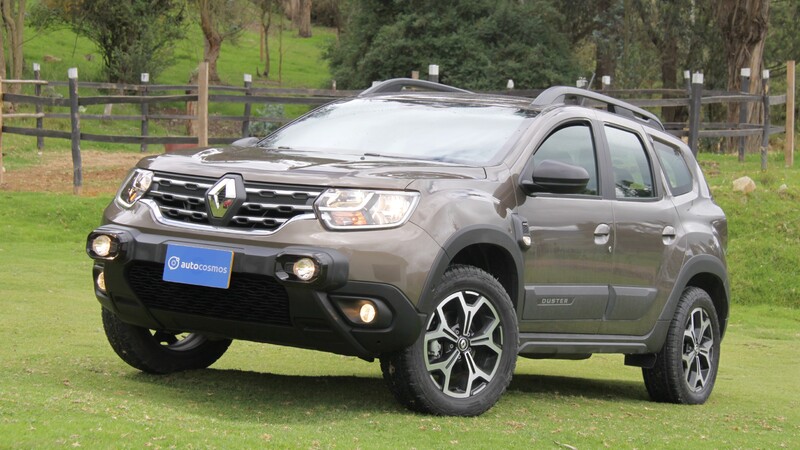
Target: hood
310, 168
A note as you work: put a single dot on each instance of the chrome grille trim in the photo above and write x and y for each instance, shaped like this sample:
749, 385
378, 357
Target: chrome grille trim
179, 200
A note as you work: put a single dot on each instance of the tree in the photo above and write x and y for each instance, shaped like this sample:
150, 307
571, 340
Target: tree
304, 25
265, 9
219, 20
667, 25
13, 12
743, 24
479, 44
133, 36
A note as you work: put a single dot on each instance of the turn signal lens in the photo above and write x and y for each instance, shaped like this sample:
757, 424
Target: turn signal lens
305, 269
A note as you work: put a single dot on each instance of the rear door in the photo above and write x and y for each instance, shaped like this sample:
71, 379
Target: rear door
646, 229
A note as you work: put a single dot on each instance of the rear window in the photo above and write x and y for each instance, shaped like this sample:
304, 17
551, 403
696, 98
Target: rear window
451, 132
679, 177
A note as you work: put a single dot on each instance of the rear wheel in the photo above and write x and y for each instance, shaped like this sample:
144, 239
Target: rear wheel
158, 351
463, 360
686, 367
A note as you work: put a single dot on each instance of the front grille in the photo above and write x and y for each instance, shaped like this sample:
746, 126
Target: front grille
268, 206
250, 297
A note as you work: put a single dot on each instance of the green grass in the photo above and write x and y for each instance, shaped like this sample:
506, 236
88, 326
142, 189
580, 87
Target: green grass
764, 232
303, 65
61, 385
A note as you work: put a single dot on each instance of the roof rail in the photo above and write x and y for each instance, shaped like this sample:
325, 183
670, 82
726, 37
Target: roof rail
557, 94
397, 84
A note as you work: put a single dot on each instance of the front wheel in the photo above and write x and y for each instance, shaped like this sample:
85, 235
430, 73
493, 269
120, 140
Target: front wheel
463, 361
157, 351
686, 367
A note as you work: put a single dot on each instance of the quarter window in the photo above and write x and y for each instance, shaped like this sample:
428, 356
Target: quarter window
572, 144
678, 175
633, 177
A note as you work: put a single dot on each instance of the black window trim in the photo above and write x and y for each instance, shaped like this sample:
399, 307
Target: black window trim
652, 161
664, 175
527, 170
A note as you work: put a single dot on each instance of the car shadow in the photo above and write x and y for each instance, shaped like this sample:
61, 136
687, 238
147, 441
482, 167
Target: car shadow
300, 398
246, 395
601, 389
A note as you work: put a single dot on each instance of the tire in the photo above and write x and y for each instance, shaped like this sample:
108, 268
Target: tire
463, 360
161, 352
686, 367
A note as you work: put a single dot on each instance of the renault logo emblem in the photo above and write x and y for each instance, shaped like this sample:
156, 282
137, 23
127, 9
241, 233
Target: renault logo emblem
223, 196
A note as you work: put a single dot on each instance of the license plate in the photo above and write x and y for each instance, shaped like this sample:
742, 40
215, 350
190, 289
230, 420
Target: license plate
198, 266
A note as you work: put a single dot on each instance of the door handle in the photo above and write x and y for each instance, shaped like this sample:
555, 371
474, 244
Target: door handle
601, 234
668, 235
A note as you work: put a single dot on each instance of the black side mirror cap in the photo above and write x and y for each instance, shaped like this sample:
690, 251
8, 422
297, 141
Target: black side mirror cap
556, 177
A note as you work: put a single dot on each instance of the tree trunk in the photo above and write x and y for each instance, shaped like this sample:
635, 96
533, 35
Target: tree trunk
14, 20
669, 79
744, 30
293, 11
213, 40
2, 54
266, 23
304, 28
607, 37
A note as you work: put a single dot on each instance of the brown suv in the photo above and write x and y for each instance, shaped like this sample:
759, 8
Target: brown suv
442, 232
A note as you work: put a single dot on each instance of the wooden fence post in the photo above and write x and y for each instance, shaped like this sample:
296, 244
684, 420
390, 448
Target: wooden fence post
694, 111
790, 93
74, 115
2, 167
433, 73
37, 91
765, 133
744, 89
202, 105
687, 78
248, 81
145, 77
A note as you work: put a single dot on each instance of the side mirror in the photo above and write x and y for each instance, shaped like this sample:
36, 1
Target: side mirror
556, 177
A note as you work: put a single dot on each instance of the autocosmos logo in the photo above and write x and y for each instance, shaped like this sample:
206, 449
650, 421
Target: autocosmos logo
175, 263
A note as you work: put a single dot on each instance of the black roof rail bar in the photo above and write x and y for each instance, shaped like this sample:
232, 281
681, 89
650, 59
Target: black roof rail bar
397, 84
556, 94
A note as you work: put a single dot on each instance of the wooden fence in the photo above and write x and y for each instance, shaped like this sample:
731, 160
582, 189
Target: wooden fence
693, 97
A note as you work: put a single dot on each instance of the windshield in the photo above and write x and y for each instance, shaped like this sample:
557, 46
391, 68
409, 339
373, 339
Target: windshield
465, 133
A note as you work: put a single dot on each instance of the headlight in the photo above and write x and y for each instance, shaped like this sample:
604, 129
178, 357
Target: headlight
358, 209
134, 187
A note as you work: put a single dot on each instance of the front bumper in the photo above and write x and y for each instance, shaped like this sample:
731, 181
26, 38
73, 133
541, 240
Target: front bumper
261, 304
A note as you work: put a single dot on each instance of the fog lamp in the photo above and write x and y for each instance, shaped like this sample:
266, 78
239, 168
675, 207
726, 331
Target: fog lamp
305, 269
101, 245
367, 312
101, 281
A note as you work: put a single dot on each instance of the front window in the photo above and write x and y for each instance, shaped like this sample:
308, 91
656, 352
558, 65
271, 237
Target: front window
465, 133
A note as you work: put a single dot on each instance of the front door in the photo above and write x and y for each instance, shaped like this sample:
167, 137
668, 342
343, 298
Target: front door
569, 265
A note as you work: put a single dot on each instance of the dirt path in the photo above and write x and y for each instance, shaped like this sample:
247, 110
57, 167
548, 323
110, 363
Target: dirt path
102, 173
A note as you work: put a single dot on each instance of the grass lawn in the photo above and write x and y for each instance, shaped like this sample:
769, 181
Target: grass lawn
61, 385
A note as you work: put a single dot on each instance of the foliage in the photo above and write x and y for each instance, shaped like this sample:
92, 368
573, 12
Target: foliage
478, 44
783, 40
219, 20
133, 36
